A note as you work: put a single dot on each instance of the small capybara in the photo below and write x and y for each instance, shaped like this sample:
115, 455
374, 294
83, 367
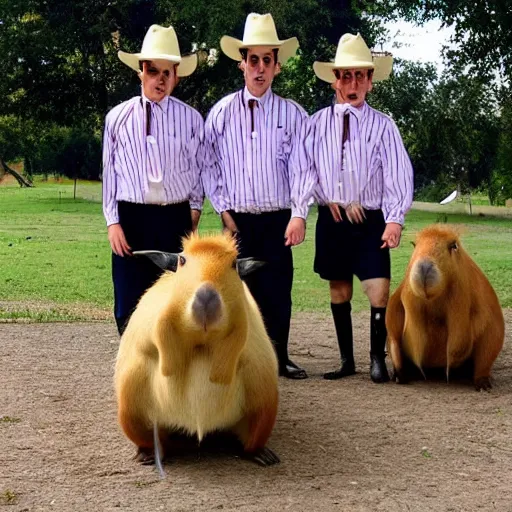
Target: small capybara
445, 312
195, 357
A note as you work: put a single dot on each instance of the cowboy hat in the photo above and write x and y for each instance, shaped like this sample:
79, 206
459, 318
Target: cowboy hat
260, 30
353, 53
160, 43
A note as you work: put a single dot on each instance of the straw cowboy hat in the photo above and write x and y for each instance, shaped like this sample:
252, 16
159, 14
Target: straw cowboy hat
160, 43
352, 53
260, 30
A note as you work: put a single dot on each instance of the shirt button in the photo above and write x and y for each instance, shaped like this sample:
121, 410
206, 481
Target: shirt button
151, 139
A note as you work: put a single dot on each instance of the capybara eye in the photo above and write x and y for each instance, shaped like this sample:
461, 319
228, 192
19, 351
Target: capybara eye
182, 260
453, 246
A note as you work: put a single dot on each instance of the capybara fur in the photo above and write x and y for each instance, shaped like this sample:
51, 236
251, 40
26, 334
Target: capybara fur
195, 357
445, 312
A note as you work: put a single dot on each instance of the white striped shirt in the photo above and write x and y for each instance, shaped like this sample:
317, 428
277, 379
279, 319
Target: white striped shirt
161, 168
262, 169
371, 168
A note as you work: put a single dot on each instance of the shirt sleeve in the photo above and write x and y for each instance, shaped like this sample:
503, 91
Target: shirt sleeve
211, 176
109, 187
303, 178
397, 176
197, 157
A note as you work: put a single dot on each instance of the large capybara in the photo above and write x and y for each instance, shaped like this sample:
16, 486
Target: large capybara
195, 357
445, 312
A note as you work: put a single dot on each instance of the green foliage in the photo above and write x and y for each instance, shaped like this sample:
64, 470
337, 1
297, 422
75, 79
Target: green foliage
45, 153
80, 156
501, 181
435, 192
450, 126
482, 36
9, 497
50, 149
9, 135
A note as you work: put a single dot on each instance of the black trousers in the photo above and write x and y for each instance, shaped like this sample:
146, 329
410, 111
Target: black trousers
343, 249
146, 227
261, 236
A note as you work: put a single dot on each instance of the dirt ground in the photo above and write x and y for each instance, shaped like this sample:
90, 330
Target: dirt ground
348, 445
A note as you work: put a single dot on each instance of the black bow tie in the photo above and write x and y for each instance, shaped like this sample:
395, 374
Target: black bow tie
252, 104
148, 118
346, 127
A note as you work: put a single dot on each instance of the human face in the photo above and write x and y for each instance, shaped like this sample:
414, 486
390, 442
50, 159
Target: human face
158, 79
352, 86
259, 69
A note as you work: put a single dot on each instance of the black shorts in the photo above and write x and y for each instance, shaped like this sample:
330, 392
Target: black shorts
343, 250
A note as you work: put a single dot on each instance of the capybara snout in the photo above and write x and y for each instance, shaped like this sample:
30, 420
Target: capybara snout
425, 277
206, 306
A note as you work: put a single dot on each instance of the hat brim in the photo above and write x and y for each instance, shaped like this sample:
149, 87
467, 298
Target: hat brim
232, 46
381, 65
186, 65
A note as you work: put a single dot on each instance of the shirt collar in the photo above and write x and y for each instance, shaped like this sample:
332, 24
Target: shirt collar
359, 112
263, 100
163, 104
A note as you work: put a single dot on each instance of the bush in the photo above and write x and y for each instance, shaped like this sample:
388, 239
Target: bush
434, 192
80, 156
500, 188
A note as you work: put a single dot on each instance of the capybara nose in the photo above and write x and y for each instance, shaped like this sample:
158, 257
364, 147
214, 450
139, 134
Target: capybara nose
206, 307
428, 273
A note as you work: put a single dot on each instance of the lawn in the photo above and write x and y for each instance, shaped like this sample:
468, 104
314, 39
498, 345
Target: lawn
54, 250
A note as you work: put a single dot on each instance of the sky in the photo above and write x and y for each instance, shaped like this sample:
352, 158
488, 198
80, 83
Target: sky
417, 43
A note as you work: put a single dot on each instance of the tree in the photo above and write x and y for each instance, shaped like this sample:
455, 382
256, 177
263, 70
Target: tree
10, 134
450, 125
483, 31
501, 180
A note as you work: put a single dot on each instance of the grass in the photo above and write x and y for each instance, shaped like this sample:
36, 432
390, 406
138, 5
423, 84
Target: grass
9, 419
54, 252
8, 497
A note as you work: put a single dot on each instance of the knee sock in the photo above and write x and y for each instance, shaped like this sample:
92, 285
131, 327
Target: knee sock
378, 332
341, 314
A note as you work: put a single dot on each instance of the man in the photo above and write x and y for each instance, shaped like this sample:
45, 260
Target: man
365, 188
151, 178
257, 174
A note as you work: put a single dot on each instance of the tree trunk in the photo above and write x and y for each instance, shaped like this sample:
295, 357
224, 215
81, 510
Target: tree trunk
74, 190
21, 180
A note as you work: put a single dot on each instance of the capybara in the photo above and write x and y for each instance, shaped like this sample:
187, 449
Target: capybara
445, 312
195, 357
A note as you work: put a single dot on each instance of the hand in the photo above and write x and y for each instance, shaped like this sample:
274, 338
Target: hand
118, 240
391, 235
335, 212
228, 223
355, 213
196, 215
295, 231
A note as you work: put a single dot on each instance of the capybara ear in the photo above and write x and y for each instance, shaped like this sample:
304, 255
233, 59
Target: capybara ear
246, 266
165, 260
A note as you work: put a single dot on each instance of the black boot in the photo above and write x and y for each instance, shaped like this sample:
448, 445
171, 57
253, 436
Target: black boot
287, 368
378, 334
343, 325
291, 371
